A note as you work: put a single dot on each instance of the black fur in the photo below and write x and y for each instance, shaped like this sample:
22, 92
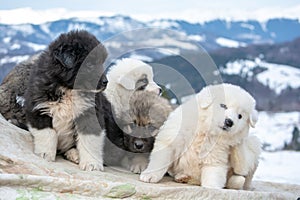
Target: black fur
60, 65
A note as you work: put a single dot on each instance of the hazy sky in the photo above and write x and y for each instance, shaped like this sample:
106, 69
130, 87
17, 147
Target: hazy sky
192, 10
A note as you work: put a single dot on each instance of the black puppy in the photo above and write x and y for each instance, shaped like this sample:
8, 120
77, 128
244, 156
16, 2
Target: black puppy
60, 99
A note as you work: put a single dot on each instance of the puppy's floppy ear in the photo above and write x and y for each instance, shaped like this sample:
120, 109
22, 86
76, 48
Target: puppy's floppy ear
65, 55
126, 82
206, 98
253, 118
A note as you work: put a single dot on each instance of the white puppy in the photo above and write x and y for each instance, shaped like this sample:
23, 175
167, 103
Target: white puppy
125, 77
195, 143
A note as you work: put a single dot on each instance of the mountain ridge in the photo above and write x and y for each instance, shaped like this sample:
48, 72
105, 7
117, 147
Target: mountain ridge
227, 43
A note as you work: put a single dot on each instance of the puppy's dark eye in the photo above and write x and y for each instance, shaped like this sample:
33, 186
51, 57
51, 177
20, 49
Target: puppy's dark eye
240, 116
141, 84
223, 106
142, 87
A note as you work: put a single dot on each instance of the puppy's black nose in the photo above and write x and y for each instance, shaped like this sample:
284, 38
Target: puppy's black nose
138, 144
228, 122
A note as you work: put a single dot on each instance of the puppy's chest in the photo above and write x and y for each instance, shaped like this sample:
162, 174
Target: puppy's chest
210, 150
66, 109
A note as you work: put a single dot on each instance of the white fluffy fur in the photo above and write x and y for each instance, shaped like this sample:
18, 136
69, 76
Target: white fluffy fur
193, 146
243, 161
122, 78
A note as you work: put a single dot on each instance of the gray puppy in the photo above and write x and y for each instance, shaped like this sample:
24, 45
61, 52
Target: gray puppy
140, 125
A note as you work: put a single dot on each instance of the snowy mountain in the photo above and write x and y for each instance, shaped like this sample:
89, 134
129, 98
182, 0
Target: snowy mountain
210, 35
255, 49
277, 77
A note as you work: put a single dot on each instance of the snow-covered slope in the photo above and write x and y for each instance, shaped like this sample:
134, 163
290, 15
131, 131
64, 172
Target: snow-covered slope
275, 129
276, 77
280, 166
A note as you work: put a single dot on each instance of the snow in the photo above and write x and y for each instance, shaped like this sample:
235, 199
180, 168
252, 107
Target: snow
24, 28
275, 129
6, 39
45, 28
248, 26
15, 46
164, 24
169, 51
29, 15
225, 42
192, 14
277, 77
169, 41
94, 20
77, 26
243, 68
36, 47
282, 166
198, 38
141, 57
112, 44
15, 59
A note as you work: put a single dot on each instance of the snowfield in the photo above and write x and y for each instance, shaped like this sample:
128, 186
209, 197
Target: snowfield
225, 42
275, 129
280, 166
275, 76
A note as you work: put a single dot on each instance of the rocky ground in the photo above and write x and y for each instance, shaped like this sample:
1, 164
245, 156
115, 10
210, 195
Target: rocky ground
24, 175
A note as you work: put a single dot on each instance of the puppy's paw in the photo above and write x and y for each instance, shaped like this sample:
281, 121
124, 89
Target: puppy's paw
138, 164
182, 178
138, 168
91, 166
45, 143
151, 177
72, 155
236, 182
49, 156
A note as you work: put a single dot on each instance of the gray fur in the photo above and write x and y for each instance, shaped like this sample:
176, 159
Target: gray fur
140, 125
12, 92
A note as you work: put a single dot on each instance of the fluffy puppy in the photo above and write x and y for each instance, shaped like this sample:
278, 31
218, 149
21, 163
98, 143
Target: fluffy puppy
60, 99
140, 124
125, 77
195, 143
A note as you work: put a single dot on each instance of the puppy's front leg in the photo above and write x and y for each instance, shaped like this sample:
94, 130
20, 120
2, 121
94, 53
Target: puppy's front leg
213, 176
90, 142
45, 142
158, 165
138, 163
90, 148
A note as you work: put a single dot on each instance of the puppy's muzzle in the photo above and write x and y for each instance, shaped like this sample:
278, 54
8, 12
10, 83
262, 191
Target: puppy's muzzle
138, 144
